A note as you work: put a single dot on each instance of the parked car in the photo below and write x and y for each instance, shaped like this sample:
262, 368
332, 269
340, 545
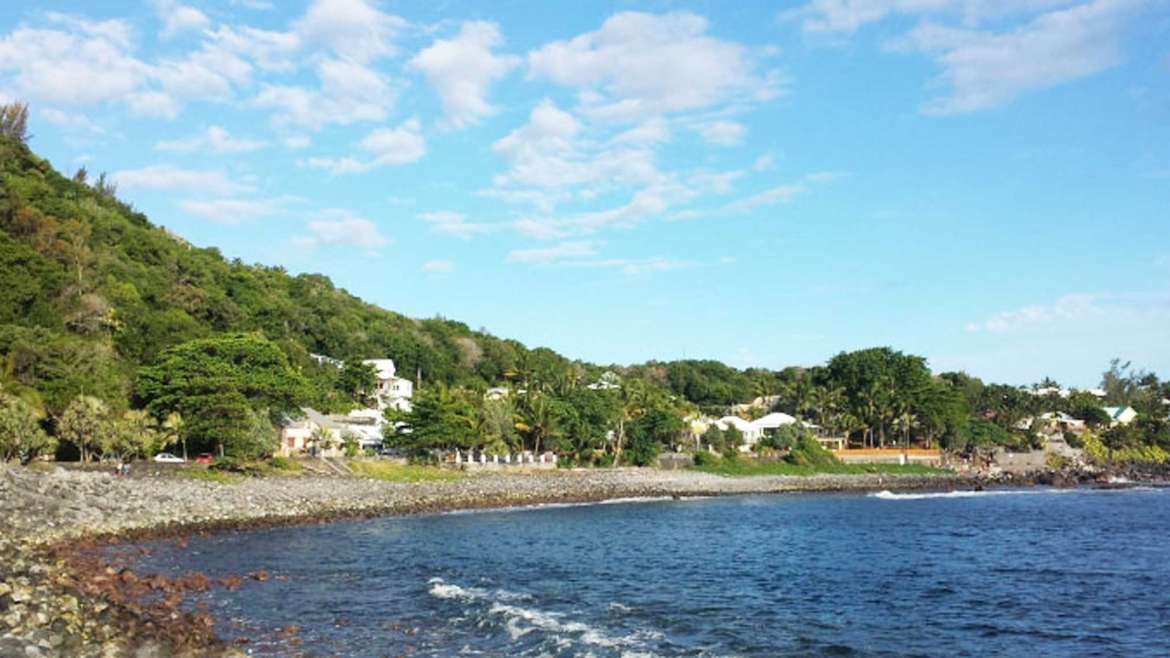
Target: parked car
205, 458
167, 458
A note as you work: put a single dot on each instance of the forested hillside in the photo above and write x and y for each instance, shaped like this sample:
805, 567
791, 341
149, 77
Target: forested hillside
92, 290
101, 312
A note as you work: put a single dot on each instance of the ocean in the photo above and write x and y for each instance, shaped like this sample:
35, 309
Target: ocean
1033, 572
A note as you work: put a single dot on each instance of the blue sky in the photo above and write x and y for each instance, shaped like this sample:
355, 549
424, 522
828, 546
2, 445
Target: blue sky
984, 182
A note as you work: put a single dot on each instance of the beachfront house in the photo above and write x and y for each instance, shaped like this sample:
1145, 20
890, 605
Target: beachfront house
751, 433
298, 436
1120, 415
392, 391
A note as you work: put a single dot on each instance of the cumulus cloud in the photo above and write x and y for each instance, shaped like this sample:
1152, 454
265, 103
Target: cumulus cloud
214, 140
1117, 310
462, 69
640, 65
170, 177
385, 146
340, 228
349, 92
847, 16
354, 29
178, 18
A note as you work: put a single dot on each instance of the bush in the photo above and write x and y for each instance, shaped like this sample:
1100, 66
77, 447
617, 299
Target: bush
809, 452
284, 464
705, 458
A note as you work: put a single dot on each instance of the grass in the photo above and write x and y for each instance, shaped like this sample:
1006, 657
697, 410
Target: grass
208, 475
390, 472
747, 467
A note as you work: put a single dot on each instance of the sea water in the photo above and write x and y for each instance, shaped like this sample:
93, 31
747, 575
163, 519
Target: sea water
1031, 572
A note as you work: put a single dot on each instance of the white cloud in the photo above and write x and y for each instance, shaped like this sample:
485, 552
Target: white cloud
230, 211
71, 121
84, 64
985, 69
454, 223
170, 177
342, 229
1118, 310
178, 18
723, 133
349, 93
547, 153
847, 16
296, 142
215, 140
764, 163
438, 267
547, 255
461, 70
385, 146
641, 65
649, 132
354, 29
634, 266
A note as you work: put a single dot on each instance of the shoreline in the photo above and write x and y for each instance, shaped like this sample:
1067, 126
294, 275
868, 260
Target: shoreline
58, 597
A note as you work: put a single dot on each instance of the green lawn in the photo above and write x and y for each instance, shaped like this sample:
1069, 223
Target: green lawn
745, 467
400, 473
208, 475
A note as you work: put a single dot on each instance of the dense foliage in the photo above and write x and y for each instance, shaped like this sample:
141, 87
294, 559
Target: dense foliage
104, 315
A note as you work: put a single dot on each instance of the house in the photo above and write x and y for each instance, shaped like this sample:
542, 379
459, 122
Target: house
773, 421
1120, 415
1062, 422
751, 433
296, 436
608, 381
392, 391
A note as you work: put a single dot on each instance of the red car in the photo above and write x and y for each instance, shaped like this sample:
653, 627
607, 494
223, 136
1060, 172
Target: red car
204, 458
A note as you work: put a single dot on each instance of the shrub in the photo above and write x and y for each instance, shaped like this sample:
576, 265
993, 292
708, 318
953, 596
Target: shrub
809, 452
284, 464
705, 458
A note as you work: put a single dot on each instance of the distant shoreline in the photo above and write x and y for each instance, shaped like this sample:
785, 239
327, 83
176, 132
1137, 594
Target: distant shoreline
57, 518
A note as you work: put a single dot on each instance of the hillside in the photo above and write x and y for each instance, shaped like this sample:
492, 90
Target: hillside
92, 289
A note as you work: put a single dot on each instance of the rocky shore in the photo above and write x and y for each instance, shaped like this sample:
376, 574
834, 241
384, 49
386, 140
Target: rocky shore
58, 597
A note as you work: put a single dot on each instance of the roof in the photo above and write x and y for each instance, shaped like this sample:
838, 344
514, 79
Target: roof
385, 367
774, 420
736, 422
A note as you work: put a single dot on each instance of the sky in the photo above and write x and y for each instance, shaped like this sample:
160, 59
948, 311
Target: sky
982, 182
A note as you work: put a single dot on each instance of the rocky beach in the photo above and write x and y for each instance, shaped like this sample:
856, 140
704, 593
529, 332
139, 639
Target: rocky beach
59, 597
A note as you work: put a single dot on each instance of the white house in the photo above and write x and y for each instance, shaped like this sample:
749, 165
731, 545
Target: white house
773, 421
751, 433
607, 382
393, 391
296, 435
1120, 415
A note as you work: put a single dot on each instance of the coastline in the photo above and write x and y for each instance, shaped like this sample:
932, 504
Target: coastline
59, 597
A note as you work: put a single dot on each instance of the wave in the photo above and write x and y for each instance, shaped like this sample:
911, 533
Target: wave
520, 620
889, 495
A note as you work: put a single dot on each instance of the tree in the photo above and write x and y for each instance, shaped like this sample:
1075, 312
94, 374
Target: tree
135, 434
440, 417
171, 431
221, 386
85, 425
21, 436
358, 382
14, 121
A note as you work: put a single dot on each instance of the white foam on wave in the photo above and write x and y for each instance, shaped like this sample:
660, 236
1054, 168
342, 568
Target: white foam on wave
520, 620
889, 495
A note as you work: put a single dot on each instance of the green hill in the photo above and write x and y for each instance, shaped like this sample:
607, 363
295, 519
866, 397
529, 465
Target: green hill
91, 290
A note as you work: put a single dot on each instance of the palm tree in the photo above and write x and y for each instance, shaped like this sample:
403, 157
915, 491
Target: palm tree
172, 431
633, 398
